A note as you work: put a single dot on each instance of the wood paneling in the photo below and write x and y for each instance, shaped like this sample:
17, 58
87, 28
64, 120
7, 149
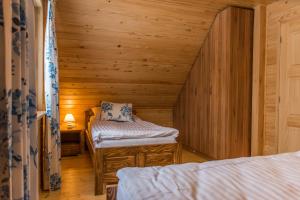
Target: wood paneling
277, 13
161, 116
259, 53
213, 111
289, 104
137, 51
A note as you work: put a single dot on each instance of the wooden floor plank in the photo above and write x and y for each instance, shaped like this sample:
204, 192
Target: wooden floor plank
78, 178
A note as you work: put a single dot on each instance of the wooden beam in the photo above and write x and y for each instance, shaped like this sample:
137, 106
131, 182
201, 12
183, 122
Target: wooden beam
259, 53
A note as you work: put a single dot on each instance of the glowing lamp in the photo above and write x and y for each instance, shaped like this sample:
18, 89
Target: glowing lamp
70, 120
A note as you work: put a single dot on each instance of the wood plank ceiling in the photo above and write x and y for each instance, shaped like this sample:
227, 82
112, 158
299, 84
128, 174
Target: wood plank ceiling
137, 51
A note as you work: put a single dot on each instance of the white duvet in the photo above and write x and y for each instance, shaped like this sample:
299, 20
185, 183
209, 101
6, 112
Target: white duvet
270, 177
112, 130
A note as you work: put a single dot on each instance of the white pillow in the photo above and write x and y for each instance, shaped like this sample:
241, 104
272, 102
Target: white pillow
116, 111
97, 112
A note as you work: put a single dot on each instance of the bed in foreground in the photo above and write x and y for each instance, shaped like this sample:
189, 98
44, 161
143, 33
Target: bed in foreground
114, 145
268, 177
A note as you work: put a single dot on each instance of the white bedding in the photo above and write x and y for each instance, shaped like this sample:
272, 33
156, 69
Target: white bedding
112, 130
269, 177
134, 142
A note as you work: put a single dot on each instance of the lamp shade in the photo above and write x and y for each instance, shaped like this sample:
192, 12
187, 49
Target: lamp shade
69, 118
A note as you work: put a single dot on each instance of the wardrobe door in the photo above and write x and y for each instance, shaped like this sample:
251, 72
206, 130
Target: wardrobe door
239, 76
289, 105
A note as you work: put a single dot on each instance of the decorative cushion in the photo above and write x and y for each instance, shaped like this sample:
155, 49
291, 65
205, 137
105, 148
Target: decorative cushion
116, 111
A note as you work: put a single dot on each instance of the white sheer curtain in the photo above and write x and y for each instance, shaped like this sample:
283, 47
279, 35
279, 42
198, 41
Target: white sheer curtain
53, 144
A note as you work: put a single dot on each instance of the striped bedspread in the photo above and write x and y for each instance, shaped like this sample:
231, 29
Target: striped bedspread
112, 130
270, 178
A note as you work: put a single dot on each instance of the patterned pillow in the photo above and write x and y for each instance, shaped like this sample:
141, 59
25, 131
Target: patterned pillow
116, 111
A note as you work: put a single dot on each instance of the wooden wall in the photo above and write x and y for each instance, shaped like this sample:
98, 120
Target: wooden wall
137, 51
258, 80
213, 111
276, 12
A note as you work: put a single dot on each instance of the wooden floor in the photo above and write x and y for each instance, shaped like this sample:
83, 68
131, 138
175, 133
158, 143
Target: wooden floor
78, 178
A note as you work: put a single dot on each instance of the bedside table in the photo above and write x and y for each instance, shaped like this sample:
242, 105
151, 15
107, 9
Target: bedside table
72, 142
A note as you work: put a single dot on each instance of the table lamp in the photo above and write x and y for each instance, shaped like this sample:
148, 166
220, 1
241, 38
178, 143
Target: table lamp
70, 120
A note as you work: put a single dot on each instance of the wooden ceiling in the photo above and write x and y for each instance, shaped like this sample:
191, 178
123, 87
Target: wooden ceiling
137, 51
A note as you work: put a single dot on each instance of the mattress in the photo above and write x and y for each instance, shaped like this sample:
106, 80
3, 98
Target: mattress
139, 129
128, 142
268, 177
134, 142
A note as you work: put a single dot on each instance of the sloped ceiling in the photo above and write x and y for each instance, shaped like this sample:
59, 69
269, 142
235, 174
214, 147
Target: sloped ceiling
137, 51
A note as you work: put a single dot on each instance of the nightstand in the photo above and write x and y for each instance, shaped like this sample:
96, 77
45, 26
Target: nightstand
72, 142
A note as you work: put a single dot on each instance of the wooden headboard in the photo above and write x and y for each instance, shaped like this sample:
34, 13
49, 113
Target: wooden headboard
89, 113
87, 116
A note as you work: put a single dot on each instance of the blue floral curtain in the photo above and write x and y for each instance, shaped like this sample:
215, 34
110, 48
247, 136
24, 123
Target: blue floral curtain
52, 142
18, 135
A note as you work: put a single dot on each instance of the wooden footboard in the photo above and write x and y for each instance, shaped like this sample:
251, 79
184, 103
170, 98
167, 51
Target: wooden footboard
109, 160
111, 192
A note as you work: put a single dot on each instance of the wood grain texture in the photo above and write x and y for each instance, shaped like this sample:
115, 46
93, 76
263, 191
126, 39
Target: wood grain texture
72, 142
42, 166
107, 161
160, 116
138, 51
213, 111
111, 192
258, 91
277, 13
289, 104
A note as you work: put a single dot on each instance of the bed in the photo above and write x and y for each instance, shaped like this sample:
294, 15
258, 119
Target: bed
267, 177
126, 144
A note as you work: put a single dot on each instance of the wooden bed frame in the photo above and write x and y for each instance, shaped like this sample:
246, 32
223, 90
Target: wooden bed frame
111, 192
107, 161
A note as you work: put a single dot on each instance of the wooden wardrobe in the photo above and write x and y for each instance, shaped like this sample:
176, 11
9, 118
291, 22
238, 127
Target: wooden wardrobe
213, 111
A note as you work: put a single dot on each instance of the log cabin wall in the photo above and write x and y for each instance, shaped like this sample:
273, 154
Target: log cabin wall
276, 13
213, 111
138, 51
